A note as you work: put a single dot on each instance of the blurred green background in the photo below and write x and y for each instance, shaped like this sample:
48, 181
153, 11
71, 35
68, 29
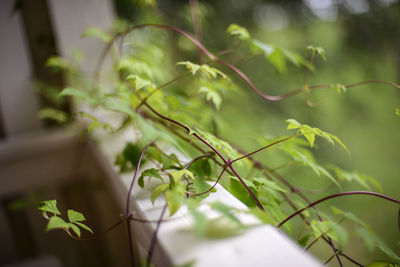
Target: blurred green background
362, 42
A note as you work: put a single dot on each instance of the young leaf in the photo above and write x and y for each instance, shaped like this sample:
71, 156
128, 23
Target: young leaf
174, 197
138, 81
84, 227
308, 133
49, 206
316, 50
74, 92
292, 124
158, 191
75, 229
351, 216
178, 175
57, 223
192, 67
238, 31
57, 63
211, 96
75, 216
53, 114
97, 33
339, 87
397, 111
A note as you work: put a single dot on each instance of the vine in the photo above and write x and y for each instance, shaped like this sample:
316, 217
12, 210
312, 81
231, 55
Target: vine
162, 119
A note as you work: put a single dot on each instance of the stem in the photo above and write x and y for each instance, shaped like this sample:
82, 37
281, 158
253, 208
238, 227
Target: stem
352, 260
196, 159
212, 187
154, 238
338, 195
212, 148
127, 212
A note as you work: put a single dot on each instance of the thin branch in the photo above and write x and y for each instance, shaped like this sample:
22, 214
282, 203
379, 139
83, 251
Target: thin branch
338, 195
154, 238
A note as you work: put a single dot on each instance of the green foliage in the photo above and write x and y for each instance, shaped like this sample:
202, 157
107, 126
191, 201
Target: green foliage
238, 31
53, 114
151, 173
75, 218
278, 56
97, 33
204, 69
309, 133
316, 50
371, 241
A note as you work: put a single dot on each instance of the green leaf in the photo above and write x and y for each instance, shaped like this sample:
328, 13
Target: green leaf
397, 111
338, 87
151, 173
75, 229
225, 210
211, 96
222, 228
97, 33
56, 222
58, 63
238, 31
49, 206
178, 175
174, 197
200, 220
316, 50
138, 81
350, 216
339, 234
263, 216
303, 241
192, 67
132, 153
53, 114
292, 124
158, 191
200, 186
237, 189
75, 216
308, 133
371, 241
201, 168
84, 227
74, 92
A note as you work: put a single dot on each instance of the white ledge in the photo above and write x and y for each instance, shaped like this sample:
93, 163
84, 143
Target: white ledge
264, 245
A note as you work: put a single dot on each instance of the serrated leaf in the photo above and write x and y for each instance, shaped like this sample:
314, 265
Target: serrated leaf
158, 191
192, 67
75, 216
138, 81
238, 31
97, 33
56, 222
308, 133
53, 114
84, 227
49, 206
292, 124
211, 96
317, 50
178, 175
